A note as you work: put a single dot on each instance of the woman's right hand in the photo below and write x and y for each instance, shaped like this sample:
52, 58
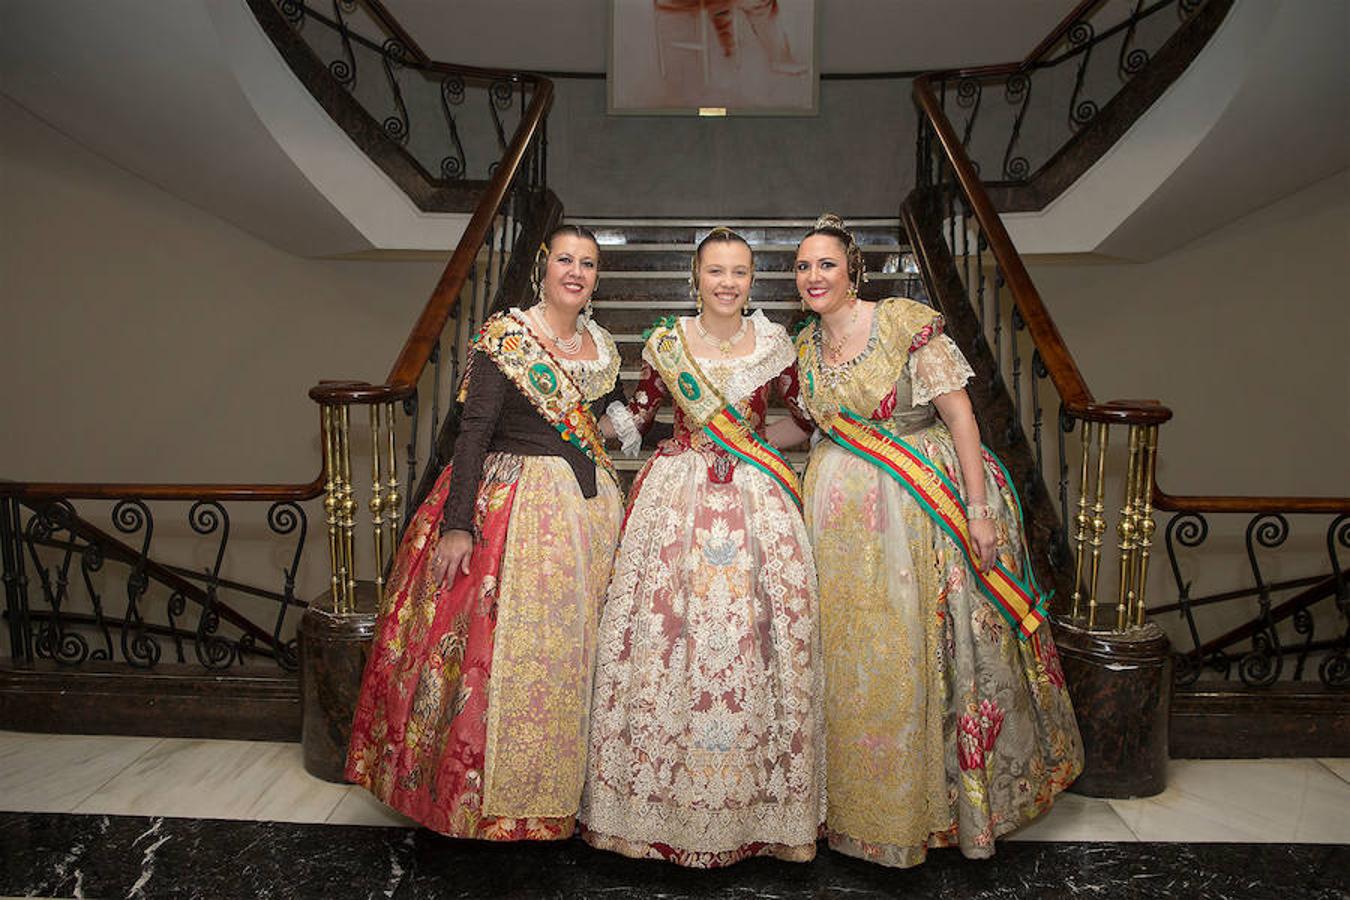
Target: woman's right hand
453, 551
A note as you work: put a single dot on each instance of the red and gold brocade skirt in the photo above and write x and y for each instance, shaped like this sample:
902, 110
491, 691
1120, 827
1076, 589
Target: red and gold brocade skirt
474, 704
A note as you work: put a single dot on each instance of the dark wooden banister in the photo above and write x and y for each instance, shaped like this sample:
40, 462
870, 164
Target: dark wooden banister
1253, 505
58, 490
416, 352
1064, 374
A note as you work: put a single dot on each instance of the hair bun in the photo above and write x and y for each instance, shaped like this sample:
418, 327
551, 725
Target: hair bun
830, 220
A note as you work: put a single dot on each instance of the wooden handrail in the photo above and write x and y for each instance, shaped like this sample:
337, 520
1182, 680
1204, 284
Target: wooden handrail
1064, 373
407, 369
394, 27
1253, 505
260, 493
419, 59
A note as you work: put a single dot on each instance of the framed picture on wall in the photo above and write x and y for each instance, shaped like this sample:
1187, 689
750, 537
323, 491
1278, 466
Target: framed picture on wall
713, 57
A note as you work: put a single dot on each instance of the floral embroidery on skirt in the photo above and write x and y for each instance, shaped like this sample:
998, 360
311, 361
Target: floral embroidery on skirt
472, 717
943, 729
706, 720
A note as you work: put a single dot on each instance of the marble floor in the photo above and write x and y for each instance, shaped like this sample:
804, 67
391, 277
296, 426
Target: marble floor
149, 817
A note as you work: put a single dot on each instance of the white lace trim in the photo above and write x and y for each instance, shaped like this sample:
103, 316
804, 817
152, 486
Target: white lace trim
739, 377
591, 375
625, 426
937, 368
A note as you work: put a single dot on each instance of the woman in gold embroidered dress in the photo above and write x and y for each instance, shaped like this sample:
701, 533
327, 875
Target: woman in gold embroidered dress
943, 727
705, 723
472, 717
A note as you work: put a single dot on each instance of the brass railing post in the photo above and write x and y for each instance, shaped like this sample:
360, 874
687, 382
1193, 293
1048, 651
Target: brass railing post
346, 512
332, 498
392, 499
377, 500
1126, 529
1083, 523
1148, 468
1098, 522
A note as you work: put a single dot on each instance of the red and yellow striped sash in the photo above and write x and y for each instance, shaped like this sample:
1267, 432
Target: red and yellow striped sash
730, 431
1019, 601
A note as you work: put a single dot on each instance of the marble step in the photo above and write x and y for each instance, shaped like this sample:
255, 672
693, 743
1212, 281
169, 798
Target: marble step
891, 257
630, 317
651, 285
616, 232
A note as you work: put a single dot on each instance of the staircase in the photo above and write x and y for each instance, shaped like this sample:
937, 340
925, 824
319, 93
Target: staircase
644, 275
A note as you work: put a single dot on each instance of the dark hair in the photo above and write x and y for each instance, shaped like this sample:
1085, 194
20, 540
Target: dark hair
831, 225
580, 231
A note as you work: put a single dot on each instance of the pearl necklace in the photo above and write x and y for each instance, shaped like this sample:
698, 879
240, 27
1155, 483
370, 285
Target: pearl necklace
570, 346
722, 345
834, 347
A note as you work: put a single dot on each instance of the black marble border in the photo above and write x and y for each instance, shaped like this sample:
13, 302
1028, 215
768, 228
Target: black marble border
47, 854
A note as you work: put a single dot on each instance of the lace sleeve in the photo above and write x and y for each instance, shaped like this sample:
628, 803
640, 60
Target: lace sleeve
789, 389
936, 368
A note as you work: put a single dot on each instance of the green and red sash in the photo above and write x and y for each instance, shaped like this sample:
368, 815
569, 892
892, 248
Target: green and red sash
509, 343
702, 403
1020, 601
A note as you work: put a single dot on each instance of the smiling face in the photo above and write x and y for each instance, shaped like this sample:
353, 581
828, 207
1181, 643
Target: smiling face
571, 272
822, 273
725, 272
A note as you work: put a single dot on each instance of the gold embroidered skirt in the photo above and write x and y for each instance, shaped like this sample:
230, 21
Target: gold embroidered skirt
943, 729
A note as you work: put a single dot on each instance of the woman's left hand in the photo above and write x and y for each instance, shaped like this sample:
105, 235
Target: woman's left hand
985, 538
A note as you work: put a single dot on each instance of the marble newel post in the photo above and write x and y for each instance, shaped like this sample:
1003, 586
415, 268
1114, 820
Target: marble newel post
1121, 686
333, 650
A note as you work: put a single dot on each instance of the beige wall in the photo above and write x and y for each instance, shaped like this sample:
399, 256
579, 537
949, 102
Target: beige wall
153, 341
147, 340
1244, 334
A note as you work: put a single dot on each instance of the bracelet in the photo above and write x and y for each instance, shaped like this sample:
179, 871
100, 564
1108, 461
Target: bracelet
979, 511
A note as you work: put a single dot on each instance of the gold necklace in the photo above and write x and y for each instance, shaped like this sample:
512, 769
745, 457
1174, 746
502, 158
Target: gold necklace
723, 345
834, 347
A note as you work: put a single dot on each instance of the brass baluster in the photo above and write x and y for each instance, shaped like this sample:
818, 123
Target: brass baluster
377, 501
1082, 521
347, 510
1098, 522
1146, 523
392, 499
1126, 528
331, 498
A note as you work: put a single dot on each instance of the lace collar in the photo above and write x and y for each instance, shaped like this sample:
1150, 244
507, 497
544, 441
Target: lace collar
739, 377
595, 377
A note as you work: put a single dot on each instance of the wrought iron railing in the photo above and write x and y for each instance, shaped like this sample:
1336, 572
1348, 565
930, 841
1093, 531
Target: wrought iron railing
1017, 121
1271, 651
1090, 481
62, 598
449, 124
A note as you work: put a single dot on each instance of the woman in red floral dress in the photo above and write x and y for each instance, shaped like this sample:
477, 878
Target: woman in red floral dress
474, 704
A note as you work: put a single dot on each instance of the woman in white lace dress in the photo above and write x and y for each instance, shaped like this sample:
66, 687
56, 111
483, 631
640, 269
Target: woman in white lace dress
706, 726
